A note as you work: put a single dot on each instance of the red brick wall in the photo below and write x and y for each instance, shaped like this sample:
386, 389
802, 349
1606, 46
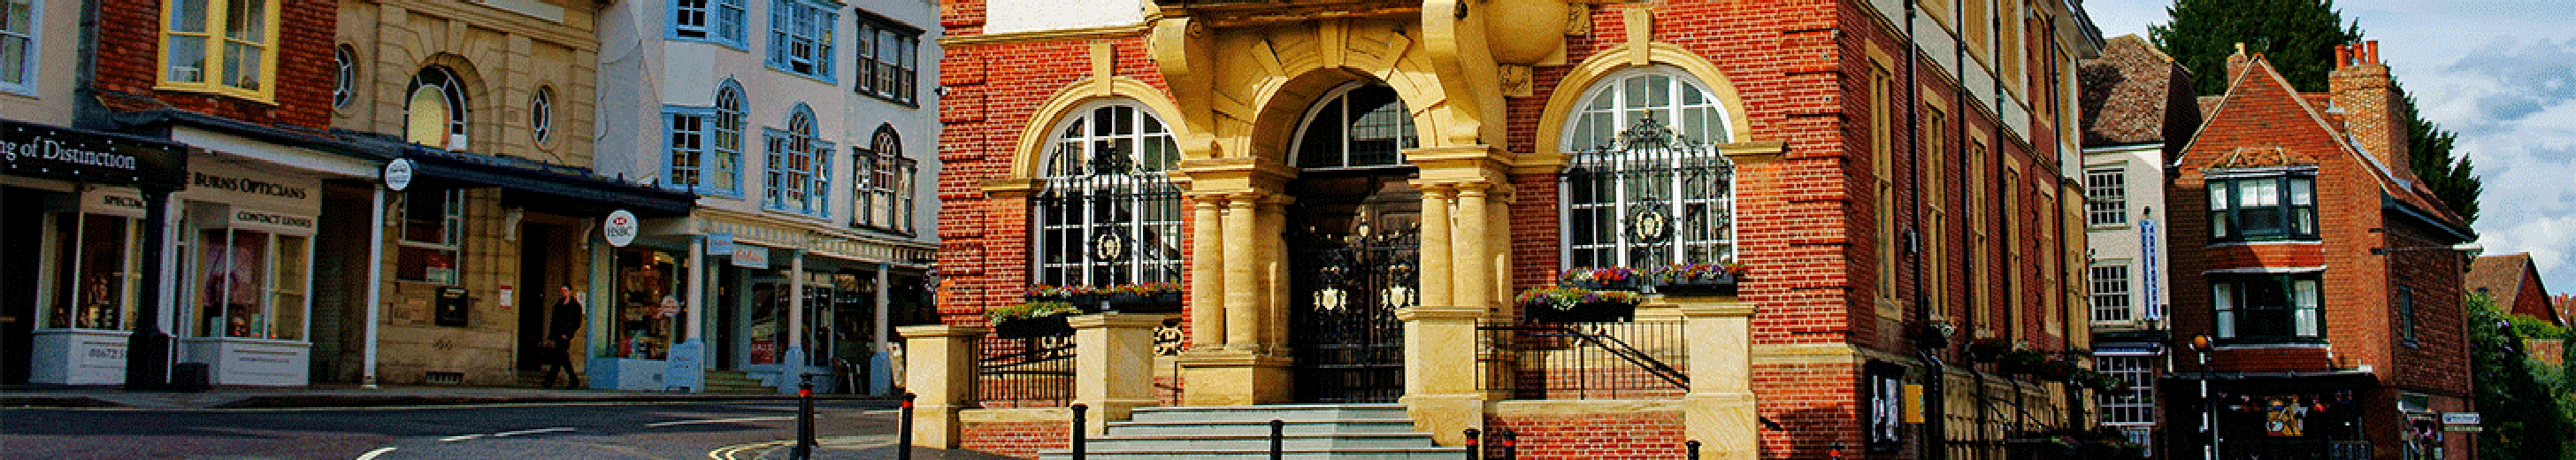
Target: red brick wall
1592, 436
129, 54
1017, 439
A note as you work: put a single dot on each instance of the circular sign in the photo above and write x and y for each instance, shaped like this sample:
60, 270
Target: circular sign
620, 228
398, 174
1110, 246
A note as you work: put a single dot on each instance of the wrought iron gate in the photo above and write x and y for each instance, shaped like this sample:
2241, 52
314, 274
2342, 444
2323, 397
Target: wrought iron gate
1347, 285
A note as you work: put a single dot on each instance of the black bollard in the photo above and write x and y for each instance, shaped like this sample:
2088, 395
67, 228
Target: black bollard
1511, 442
1078, 409
903, 435
1278, 439
1693, 447
805, 417
1473, 452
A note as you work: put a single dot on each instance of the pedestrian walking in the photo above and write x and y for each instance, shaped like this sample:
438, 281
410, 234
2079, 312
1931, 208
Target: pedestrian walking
558, 345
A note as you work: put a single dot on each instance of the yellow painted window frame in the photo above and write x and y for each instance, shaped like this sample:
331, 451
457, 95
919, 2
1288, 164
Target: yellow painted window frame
1931, 125
212, 74
1883, 165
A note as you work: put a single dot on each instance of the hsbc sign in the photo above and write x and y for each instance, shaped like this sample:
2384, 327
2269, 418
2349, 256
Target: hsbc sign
620, 229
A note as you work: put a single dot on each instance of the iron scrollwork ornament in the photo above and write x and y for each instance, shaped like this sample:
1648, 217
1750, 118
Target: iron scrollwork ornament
1109, 246
1652, 223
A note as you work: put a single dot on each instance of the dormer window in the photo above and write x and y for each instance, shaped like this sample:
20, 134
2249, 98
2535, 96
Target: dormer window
2263, 208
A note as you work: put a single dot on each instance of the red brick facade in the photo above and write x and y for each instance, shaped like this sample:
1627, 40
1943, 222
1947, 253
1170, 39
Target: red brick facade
1807, 224
2365, 201
129, 64
1018, 439
1587, 436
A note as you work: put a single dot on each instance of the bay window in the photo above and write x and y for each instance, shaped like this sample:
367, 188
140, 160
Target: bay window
2261, 208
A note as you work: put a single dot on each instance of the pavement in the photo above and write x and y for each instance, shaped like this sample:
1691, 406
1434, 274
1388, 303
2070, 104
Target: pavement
349, 396
879, 447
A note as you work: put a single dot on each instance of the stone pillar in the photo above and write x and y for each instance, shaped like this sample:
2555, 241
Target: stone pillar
1440, 379
1113, 365
1207, 273
1435, 246
939, 364
1243, 292
1719, 412
1274, 272
1470, 274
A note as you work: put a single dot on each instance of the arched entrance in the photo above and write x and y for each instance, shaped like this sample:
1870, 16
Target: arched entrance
1354, 254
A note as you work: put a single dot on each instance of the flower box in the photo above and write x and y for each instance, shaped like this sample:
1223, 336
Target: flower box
1721, 285
1590, 312
1560, 304
1158, 302
1025, 328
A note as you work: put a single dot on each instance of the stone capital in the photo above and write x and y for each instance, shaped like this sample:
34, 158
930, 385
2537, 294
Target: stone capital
1721, 309
1115, 320
1231, 357
1011, 188
1429, 313
939, 330
1754, 153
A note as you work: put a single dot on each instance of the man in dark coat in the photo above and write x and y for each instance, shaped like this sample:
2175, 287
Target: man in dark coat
558, 344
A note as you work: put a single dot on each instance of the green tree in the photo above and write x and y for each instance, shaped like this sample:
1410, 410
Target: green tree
2298, 37
2523, 420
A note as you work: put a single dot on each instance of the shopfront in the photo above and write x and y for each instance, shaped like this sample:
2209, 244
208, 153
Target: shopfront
71, 292
245, 245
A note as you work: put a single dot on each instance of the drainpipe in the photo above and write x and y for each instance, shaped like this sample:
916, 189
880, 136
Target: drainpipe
1935, 435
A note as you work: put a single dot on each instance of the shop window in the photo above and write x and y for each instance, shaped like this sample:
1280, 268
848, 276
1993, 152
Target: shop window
220, 46
2267, 308
94, 282
646, 304
1109, 213
800, 37
436, 110
1359, 125
2262, 208
886, 55
2133, 401
432, 228
800, 171
249, 284
1644, 186
712, 21
18, 40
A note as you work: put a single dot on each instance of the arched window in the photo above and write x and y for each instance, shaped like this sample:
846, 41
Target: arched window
724, 169
1640, 189
541, 114
800, 173
706, 144
1357, 125
437, 109
883, 185
344, 76
1109, 213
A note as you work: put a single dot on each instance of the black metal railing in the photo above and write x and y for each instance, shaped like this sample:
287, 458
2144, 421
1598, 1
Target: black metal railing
1615, 360
1648, 197
1030, 372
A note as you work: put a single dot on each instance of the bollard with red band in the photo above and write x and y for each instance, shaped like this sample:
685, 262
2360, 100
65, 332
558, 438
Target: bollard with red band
1473, 451
903, 435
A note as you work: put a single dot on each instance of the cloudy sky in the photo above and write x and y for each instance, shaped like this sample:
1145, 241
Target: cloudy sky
2500, 73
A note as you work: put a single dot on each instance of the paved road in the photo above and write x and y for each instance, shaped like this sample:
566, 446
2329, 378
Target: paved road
613, 430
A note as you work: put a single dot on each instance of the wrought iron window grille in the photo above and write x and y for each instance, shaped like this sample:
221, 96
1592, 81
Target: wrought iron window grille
1648, 198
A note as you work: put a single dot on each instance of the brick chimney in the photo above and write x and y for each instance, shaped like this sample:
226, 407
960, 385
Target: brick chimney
2362, 88
2236, 63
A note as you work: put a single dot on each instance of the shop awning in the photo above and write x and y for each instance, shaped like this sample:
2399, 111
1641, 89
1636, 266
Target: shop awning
554, 186
37, 150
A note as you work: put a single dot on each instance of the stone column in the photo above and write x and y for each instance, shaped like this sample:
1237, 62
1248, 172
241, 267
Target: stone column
1435, 246
1719, 412
1113, 365
1243, 292
939, 364
1471, 275
1274, 272
1207, 273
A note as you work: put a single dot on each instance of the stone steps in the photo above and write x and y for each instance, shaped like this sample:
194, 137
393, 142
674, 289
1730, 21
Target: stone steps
1309, 431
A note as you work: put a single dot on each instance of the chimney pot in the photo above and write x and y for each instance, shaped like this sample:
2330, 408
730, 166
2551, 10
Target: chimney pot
2374, 51
2343, 56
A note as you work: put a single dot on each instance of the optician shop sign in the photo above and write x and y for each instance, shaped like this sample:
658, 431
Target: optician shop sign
28, 149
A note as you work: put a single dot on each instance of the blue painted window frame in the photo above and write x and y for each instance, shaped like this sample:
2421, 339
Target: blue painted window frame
806, 23
718, 21
712, 157
817, 173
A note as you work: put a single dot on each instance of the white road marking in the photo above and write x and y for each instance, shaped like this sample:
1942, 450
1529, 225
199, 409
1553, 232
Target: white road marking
460, 438
535, 431
372, 454
719, 420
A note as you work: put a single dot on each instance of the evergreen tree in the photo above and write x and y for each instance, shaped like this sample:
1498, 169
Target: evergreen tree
2298, 36
2522, 418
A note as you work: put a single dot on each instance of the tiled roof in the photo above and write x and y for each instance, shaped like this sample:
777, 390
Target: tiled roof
2266, 94
2127, 93
2501, 276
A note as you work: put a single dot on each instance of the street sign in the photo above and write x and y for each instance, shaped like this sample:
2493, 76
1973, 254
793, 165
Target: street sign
621, 228
398, 174
2462, 418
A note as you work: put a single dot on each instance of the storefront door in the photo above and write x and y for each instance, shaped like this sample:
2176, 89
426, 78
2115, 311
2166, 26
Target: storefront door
543, 260
18, 282
1353, 238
